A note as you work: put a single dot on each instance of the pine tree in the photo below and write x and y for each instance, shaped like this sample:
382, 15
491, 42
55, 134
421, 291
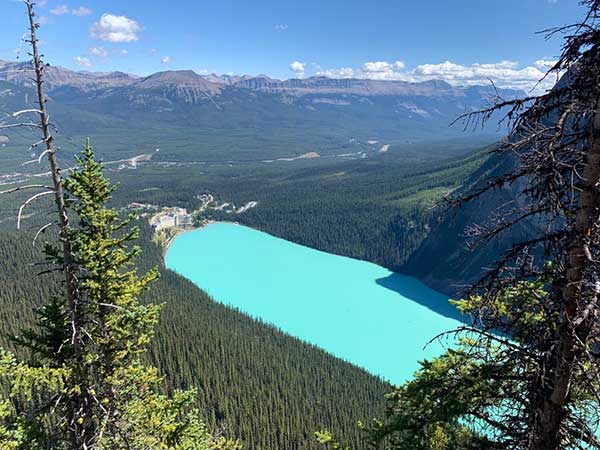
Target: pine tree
119, 399
526, 374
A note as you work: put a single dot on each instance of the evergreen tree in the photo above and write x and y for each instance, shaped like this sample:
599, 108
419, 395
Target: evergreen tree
122, 404
526, 375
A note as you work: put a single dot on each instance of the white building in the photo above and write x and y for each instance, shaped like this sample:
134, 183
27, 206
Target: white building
184, 220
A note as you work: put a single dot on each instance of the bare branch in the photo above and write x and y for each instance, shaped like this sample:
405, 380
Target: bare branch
20, 125
25, 111
42, 230
22, 188
27, 202
39, 158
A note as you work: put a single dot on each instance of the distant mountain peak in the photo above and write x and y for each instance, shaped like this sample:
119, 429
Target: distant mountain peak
173, 75
114, 74
192, 85
56, 77
437, 84
181, 79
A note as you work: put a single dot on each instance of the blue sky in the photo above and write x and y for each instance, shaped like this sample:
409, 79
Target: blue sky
462, 41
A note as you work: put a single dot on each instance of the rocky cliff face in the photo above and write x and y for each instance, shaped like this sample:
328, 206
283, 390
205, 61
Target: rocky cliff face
443, 260
190, 83
324, 85
20, 73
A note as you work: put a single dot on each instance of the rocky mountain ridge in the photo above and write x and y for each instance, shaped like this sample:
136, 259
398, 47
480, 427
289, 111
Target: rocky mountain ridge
20, 73
58, 77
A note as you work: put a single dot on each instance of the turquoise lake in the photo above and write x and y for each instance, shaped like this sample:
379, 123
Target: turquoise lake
358, 311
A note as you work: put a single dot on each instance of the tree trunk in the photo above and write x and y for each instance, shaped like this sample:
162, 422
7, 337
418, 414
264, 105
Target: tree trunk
79, 430
59, 196
578, 304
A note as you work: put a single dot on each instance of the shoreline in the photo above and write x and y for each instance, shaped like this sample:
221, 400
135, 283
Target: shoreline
439, 286
230, 252
180, 231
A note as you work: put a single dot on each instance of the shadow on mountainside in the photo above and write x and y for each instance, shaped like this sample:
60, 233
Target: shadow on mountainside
416, 291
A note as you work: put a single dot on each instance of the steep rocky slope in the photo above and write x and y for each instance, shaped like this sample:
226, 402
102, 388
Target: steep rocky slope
444, 260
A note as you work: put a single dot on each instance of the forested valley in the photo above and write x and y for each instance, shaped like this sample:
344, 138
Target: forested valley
379, 210
103, 348
256, 384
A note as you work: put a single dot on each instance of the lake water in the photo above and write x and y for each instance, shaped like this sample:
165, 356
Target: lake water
358, 311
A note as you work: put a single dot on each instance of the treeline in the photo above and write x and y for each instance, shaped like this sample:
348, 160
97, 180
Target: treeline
266, 388
379, 212
379, 209
365, 230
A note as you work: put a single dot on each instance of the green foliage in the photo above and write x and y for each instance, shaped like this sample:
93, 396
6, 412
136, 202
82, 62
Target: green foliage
477, 394
23, 384
264, 387
328, 440
440, 407
522, 303
86, 385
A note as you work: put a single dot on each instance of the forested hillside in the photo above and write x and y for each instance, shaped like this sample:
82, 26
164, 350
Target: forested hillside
190, 118
444, 259
268, 389
377, 209
257, 384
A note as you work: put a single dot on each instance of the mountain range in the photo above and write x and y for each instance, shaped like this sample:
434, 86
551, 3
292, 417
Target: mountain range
193, 117
57, 77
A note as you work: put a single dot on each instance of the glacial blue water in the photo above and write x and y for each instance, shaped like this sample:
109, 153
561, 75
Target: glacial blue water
358, 311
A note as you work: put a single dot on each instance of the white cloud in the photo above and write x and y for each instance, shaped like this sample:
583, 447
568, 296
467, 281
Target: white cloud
506, 74
113, 28
81, 11
281, 27
82, 61
41, 3
98, 51
124, 52
165, 60
153, 51
382, 66
60, 10
298, 68
342, 72
382, 70
43, 20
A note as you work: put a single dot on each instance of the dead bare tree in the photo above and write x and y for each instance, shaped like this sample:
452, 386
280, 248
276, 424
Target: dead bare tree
555, 141
79, 432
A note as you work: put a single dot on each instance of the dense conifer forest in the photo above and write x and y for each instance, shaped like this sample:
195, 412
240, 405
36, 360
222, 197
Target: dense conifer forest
267, 389
378, 210
255, 383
